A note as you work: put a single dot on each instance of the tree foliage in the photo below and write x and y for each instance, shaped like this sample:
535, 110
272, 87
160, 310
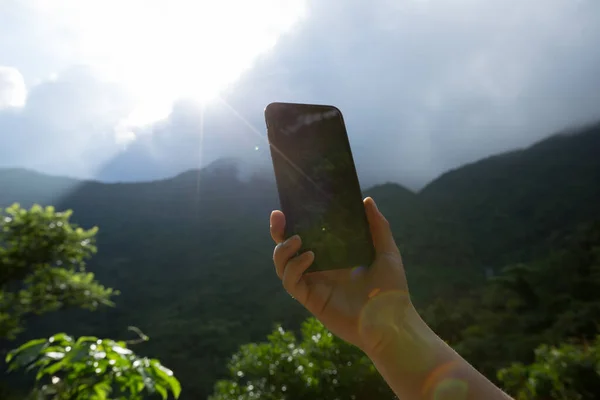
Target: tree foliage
319, 366
550, 300
545, 304
566, 372
91, 368
42, 266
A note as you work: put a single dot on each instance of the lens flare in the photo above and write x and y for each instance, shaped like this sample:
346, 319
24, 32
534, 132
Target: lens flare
357, 271
436, 375
389, 321
451, 389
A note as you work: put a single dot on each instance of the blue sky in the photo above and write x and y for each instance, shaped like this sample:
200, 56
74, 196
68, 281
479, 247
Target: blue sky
138, 90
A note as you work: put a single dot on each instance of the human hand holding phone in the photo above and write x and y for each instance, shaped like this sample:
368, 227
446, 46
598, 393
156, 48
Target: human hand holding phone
345, 267
371, 308
339, 298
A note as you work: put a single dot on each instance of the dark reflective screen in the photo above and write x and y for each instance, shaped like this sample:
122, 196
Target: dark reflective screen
318, 186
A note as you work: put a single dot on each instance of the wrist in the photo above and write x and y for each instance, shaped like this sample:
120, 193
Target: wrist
406, 351
390, 326
413, 360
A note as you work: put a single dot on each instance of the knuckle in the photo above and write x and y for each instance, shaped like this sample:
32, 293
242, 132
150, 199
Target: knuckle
281, 249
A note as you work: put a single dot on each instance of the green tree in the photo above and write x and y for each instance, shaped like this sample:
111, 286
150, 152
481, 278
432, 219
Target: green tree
42, 266
566, 372
91, 368
319, 366
550, 300
42, 269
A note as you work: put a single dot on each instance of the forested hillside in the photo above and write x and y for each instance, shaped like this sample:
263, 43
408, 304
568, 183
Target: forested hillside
511, 203
192, 254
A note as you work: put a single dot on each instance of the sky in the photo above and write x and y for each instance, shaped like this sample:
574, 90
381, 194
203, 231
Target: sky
129, 90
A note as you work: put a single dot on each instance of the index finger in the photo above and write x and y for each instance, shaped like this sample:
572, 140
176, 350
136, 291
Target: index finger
277, 226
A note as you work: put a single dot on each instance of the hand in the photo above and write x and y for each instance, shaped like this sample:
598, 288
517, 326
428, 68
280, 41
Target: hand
362, 305
371, 309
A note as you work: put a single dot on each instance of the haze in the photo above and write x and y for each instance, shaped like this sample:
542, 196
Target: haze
130, 90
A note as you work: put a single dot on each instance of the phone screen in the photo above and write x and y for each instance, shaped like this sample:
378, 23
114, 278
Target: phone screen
318, 186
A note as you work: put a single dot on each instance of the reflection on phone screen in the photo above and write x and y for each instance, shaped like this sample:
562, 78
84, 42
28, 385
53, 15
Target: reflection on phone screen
318, 186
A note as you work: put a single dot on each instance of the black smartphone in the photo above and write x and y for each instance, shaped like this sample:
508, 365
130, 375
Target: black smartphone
318, 186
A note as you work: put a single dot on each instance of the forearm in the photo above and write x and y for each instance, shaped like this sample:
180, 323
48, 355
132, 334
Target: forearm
417, 364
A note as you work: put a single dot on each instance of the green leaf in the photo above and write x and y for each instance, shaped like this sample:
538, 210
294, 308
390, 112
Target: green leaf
55, 355
24, 347
26, 353
101, 390
139, 386
60, 337
52, 369
121, 350
84, 339
162, 391
167, 375
175, 386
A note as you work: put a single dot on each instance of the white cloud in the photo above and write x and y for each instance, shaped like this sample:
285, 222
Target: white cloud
424, 85
429, 85
162, 50
13, 92
65, 127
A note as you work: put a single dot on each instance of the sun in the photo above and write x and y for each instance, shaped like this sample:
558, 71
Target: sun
163, 50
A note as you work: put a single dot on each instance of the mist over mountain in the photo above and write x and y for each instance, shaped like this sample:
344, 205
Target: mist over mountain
424, 86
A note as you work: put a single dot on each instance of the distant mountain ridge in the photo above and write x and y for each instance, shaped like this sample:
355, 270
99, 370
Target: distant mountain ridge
524, 195
479, 214
502, 201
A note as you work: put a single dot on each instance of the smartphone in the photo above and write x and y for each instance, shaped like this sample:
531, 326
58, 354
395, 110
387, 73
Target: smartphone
318, 187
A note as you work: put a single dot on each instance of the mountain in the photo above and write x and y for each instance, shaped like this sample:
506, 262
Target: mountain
511, 203
192, 254
27, 187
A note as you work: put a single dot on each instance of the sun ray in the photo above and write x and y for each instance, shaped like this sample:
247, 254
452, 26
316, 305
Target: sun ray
200, 149
175, 49
266, 141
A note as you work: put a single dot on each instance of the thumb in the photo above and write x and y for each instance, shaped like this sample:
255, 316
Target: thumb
383, 240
